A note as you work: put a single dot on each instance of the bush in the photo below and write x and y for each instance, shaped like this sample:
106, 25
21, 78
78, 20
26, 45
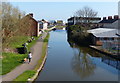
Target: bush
79, 35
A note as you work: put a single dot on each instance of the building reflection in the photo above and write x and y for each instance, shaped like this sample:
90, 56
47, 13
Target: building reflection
112, 62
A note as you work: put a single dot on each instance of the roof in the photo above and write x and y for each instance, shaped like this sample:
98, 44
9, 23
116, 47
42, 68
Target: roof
108, 21
86, 18
28, 15
103, 32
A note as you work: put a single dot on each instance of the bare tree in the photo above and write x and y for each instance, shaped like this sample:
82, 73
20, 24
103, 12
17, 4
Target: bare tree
86, 12
10, 21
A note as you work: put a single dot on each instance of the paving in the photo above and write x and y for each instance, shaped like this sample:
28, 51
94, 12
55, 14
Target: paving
36, 54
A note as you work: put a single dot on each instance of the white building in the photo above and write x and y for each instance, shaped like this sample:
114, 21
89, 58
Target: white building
43, 25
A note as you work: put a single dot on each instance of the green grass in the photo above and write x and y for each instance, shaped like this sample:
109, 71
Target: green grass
17, 41
11, 60
30, 73
25, 76
32, 43
59, 27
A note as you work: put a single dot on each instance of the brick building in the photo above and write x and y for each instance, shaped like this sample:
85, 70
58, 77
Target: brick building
29, 26
110, 22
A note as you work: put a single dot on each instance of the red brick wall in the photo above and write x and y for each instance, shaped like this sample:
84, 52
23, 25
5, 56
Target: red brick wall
29, 26
33, 27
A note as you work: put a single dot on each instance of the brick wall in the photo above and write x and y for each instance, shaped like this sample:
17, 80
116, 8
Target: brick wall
29, 26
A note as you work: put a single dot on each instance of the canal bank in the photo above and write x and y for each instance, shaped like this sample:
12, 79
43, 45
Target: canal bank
36, 53
39, 65
68, 62
42, 60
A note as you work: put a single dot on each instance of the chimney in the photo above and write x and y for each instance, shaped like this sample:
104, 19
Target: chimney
109, 17
104, 18
116, 17
31, 14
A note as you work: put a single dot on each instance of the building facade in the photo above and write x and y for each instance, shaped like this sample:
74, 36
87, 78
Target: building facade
43, 25
30, 25
79, 20
92, 21
110, 22
106, 38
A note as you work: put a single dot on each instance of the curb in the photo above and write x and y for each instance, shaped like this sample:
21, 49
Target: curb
39, 69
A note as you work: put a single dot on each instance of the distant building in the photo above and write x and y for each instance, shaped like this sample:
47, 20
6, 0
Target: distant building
112, 23
43, 24
93, 21
51, 23
31, 25
59, 22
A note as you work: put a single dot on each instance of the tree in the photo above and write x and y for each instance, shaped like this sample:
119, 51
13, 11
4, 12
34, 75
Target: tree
87, 15
10, 21
86, 12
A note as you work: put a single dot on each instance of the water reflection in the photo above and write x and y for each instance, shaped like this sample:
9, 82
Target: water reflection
112, 62
81, 63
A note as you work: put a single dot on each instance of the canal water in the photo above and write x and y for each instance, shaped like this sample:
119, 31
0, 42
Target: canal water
69, 62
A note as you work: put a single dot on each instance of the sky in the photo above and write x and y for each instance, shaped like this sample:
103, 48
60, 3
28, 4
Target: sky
119, 8
64, 10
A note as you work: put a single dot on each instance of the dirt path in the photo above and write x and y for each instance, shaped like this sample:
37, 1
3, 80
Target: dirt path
36, 51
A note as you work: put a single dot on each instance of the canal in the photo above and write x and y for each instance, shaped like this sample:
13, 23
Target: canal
68, 62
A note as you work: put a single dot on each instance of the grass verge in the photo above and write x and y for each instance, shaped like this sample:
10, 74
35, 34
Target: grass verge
44, 49
11, 60
25, 76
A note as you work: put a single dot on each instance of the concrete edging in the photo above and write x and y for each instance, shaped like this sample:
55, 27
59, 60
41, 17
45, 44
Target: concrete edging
39, 69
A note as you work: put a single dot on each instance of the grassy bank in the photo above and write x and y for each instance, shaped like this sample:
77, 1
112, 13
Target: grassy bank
24, 76
11, 60
44, 49
59, 27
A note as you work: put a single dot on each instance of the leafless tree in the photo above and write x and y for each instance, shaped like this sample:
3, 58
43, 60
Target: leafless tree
86, 12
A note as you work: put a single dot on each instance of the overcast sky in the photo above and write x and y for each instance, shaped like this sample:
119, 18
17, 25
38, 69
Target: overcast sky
64, 10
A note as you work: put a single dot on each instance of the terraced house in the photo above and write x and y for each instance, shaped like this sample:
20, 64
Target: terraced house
110, 22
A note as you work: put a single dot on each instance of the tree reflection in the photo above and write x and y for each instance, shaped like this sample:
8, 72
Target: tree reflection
81, 63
